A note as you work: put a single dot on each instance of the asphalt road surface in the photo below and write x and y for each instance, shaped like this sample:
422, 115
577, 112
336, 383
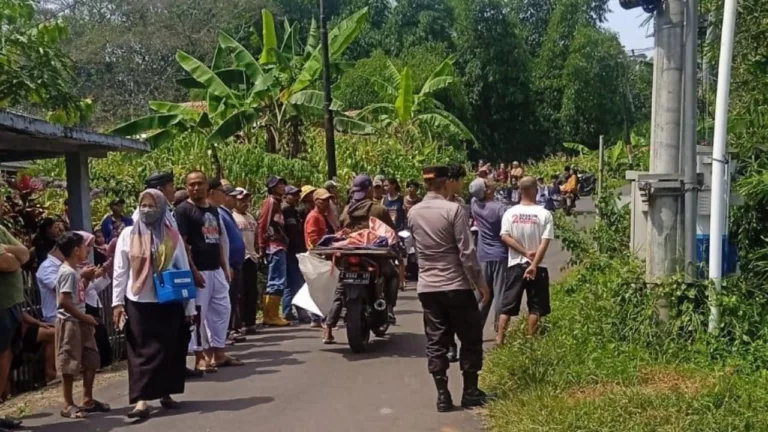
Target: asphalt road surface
291, 382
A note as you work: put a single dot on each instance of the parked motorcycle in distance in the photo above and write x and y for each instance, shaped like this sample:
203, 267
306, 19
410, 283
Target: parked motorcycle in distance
587, 183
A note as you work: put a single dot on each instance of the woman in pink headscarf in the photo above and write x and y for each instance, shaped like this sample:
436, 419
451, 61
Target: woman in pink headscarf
156, 334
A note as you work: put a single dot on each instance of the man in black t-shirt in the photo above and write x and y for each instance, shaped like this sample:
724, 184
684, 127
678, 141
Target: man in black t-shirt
201, 227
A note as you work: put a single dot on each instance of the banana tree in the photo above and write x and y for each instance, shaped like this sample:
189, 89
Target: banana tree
244, 95
410, 110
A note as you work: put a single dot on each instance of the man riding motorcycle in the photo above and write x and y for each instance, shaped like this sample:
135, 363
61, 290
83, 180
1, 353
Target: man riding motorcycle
356, 217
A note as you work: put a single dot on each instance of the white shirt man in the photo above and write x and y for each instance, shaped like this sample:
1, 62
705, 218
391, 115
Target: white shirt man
526, 229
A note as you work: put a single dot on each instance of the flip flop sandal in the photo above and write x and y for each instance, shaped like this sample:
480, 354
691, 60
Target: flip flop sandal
97, 407
73, 412
208, 369
329, 341
229, 362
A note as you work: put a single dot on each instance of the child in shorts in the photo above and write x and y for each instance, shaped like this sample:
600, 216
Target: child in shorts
76, 350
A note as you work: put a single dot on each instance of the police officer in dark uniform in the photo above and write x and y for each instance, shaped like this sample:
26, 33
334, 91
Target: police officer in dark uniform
448, 268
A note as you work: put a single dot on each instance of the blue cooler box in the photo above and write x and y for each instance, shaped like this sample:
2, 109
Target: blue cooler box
730, 255
176, 286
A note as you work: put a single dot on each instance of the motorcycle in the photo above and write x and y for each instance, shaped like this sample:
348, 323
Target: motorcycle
587, 184
362, 276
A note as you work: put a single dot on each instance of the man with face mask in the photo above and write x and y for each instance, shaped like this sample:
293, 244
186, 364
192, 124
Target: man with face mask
223, 197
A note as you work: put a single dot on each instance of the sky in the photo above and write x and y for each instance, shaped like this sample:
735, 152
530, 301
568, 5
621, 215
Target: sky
627, 24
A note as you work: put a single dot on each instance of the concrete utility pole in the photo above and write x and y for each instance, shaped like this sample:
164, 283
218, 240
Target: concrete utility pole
330, 139
688, 159
664, 206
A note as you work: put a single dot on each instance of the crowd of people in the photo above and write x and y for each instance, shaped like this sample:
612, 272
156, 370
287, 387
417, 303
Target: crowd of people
207, 228
560, 191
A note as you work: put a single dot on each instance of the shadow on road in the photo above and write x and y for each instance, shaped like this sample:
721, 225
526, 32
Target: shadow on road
116, 418
395, 345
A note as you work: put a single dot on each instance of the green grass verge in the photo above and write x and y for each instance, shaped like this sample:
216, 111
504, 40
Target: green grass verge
605, 363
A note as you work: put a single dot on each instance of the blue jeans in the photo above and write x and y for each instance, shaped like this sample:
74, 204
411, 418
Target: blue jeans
276, 273
295, 280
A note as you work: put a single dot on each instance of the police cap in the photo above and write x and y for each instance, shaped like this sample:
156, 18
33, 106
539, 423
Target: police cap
435, 171
159, 179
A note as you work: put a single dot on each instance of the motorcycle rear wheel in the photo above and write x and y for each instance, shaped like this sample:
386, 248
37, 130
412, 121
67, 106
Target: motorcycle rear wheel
358, 333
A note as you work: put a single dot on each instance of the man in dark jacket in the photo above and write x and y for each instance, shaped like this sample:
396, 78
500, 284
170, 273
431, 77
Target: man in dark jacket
356, 217
294, 229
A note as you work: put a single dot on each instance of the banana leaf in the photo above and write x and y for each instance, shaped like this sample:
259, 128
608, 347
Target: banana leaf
232, 125
202, 74
269, 38
243, 58
148, 123
404, 103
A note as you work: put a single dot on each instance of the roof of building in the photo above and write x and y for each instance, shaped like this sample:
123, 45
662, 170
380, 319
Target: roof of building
24, 138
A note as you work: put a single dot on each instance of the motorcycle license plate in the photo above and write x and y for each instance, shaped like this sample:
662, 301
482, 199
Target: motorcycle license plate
355, 278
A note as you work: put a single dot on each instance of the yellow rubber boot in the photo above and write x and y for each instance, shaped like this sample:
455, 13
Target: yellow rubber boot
272, 316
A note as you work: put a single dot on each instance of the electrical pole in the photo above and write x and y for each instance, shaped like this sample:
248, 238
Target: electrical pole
665, 192
688, 161
330, 139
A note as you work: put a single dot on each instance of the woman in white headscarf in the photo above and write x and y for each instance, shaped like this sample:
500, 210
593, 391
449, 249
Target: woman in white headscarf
156, 334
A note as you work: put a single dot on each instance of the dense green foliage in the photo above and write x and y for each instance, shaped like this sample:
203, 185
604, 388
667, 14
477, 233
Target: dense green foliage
518, 86
35, 74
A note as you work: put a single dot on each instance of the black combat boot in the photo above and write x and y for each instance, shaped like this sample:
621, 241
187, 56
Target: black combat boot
444, 400
472, 397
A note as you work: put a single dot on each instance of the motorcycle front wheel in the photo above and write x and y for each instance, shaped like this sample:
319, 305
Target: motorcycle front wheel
358, 333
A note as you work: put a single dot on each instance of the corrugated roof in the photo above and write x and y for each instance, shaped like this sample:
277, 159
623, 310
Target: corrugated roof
27, 138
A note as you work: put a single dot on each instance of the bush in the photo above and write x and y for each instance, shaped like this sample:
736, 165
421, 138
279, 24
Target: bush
606, 362
122, 174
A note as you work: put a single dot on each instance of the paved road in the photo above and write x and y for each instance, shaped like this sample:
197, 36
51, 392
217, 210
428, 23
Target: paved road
291, 382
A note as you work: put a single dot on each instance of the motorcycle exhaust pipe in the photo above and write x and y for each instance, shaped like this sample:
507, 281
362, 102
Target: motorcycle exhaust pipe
380, 305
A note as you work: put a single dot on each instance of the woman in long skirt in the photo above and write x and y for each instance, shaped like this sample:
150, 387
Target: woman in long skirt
156, 334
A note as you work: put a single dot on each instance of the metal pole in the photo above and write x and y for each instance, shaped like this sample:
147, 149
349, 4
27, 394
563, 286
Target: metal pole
664, 206
688, 163
719, 188
601, 168
330, 139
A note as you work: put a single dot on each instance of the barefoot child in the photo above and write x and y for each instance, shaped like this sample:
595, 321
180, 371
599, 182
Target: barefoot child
76, 350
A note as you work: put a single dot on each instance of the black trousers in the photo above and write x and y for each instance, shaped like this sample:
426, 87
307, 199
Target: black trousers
102, 336
449, 313
236, 298
249, 301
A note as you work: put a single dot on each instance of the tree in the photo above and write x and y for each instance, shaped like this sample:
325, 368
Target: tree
244, 95
36, 74
124, 50
496, 80
412, 113
595, 83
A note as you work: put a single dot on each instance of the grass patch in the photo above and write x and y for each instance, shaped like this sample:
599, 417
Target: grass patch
606, 363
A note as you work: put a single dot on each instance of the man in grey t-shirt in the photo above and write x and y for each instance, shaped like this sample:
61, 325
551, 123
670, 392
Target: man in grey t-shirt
491, 251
